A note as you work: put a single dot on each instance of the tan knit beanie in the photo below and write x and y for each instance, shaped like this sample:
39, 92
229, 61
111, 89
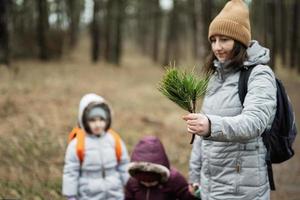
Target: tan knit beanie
233, 21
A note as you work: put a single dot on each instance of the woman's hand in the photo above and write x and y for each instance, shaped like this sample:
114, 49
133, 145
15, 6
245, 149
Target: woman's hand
197, 124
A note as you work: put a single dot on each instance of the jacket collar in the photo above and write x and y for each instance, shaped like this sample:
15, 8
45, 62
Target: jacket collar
223, 70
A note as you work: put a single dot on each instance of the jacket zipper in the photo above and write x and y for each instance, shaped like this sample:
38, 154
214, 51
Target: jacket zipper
148, 194
238, 170
102, 166
101, 159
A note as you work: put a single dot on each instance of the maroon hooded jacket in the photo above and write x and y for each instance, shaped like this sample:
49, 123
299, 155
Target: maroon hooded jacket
149, 155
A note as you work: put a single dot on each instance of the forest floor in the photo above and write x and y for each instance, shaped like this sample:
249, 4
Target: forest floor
38, 108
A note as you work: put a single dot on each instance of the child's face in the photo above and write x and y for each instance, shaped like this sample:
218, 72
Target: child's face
149, 184
97, 125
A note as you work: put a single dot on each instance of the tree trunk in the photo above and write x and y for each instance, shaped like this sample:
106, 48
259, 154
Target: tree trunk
265, 21
42, 28
4, 32
283, 30
194, 26
272, 31
297, 52
206, 10
74, 8
156, 30
108, 30
95, 32
114, 30
172, 36
143, 21
258, 19
119, 31
295, 29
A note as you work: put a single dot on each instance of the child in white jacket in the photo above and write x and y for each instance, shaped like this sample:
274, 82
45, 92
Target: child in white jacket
100, 175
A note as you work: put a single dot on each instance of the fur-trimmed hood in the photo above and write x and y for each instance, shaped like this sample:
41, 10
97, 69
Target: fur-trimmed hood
149, 156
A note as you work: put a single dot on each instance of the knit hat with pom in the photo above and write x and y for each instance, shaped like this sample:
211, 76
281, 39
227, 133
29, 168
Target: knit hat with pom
233, 21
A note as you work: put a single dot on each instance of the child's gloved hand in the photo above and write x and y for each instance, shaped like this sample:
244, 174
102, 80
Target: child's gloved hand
197, 193
195, 189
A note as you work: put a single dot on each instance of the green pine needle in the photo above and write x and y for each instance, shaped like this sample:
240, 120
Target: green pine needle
183, 88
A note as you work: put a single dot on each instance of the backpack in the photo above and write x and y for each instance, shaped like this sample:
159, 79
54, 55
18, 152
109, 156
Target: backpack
279, 139
80, 135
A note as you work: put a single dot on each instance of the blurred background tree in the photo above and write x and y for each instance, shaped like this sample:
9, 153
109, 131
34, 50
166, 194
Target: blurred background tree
5, 6
165, 30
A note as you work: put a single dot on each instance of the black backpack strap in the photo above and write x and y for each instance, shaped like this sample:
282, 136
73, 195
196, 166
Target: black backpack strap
243, 82
242, 90
270, 173
269, 162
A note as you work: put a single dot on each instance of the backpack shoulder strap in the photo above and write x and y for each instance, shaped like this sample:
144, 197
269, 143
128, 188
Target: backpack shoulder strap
243, 82
242, 90
80, 135
270, 172
118, 144
72, 135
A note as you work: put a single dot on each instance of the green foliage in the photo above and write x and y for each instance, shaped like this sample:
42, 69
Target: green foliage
183, 88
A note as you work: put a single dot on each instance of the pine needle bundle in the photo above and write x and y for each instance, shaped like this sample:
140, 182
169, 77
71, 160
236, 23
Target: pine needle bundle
183, 88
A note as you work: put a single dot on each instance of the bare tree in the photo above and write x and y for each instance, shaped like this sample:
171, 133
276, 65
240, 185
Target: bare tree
95, 31
171, 47
206, 10
74, 11
156, 29
294, 52
283, 30
4, 32
120, 5
114, 20
194, 25
108, 29
271, 30
144, 16
42, 28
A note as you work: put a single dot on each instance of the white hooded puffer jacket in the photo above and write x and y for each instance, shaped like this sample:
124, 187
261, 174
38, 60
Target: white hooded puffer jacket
230, 164
100, 177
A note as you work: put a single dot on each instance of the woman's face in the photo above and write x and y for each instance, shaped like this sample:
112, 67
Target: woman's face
222, 47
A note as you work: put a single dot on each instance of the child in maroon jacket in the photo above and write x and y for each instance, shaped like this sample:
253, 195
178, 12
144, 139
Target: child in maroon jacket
151, 174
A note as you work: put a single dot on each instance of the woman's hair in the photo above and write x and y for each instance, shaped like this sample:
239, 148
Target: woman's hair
239, 55
89, 108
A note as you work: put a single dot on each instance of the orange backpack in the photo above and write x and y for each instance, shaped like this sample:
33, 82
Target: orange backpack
80, 135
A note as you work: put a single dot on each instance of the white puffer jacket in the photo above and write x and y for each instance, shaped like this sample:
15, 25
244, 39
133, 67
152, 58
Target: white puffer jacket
100, 177
230, 164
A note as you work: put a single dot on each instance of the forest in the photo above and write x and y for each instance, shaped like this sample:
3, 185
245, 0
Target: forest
52, 52
51, 28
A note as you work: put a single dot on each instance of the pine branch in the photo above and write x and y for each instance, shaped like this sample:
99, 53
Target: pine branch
183, 88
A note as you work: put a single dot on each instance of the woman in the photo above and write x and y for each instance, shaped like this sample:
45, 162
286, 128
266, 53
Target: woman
228, 156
